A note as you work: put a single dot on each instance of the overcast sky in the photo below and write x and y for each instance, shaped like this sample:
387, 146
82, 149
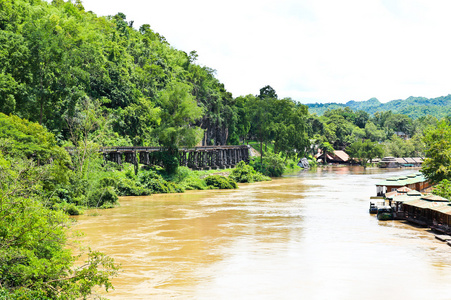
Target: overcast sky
309, 50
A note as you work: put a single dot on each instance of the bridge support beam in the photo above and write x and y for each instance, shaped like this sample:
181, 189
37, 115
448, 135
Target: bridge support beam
209, 157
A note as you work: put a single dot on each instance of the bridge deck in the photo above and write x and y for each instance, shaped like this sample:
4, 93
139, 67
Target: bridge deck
205, 157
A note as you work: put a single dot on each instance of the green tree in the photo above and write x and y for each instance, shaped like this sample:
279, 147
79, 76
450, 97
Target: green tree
36, 261
399, 123
364, 151
138, 121
219, 116
443, 189
290, 135
267, 92
262, 117
437, 165
240, 130
373, 133
179, 111
324, 146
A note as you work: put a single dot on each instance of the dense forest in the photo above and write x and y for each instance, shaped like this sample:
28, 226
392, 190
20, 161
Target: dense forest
414, 107
70, 79
90, 78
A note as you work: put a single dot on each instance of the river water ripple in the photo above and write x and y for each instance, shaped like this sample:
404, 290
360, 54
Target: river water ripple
305, 236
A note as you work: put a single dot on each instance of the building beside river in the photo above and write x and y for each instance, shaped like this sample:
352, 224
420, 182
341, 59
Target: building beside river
422, 209
415, 181
338, 157
399, 162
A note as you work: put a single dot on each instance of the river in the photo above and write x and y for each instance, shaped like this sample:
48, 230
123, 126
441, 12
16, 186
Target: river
305, 236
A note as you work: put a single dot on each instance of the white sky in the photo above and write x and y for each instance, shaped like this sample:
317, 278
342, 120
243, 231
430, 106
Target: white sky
309, 50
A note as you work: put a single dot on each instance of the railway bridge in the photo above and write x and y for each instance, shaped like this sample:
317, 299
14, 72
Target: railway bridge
196, 158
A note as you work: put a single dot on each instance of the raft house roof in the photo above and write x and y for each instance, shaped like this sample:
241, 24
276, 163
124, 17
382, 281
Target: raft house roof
343, 156
393, 194
429, 201
436, 198
403, 180
400, 160
445, 209
421, 203
388, 159
410, 160
403, 189
404, 197
337, 156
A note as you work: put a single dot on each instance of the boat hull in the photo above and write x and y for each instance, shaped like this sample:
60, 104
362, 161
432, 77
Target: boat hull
385, 213
385, 216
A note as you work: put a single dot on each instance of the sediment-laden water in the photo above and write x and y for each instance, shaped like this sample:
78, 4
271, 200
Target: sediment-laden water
307, 236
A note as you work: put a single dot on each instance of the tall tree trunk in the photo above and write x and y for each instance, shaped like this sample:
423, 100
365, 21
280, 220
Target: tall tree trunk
261, 147
41, 112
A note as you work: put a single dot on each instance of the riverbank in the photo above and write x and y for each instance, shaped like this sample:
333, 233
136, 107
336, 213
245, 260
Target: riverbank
113, 180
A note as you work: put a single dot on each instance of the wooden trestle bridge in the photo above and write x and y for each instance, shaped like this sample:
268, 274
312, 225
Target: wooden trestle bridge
197, 158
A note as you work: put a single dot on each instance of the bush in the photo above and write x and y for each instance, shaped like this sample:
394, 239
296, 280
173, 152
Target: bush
220, 182
443, 189
181, 174
130, 187
109, 181
37, 261
103, 197
246, 173
174, 187
73, 210
69, 208
312, 163
194, 183
273, 165
169, 159
155, 183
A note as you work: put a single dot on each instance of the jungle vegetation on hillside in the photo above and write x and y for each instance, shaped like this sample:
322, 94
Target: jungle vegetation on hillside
69, 78
95, 81
414, 107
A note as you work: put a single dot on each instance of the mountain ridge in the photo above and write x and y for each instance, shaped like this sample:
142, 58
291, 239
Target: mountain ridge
414, 107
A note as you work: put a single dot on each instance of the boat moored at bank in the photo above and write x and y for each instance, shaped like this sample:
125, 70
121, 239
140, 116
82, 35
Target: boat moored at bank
385, 213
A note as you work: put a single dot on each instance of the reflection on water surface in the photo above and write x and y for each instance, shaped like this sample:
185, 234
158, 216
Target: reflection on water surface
304, 236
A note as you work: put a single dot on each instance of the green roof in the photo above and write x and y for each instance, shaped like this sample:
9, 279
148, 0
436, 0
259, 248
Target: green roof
392, 182
401, 181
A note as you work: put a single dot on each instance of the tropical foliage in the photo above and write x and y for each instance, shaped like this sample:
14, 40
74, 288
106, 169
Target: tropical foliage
246, 173
36, 260
72, 82
364, 151
437, 165
220, 182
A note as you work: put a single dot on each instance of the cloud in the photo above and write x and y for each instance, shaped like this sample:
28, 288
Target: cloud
311, 50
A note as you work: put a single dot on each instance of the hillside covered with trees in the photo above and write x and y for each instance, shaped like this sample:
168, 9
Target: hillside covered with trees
95, 81
72, 82
414, 107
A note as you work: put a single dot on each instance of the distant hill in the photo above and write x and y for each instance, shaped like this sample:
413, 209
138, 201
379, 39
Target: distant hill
414, 107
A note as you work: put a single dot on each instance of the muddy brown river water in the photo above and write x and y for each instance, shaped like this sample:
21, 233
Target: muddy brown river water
305, 236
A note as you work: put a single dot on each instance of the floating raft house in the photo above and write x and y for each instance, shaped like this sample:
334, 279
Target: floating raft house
415, 181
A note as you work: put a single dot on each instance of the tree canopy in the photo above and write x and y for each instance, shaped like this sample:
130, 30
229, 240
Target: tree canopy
437, 165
